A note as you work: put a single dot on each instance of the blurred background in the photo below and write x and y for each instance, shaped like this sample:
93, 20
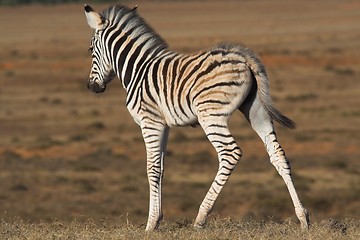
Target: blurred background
67, 154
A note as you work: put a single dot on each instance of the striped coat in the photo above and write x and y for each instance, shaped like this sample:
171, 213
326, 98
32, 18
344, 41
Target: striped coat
166, 89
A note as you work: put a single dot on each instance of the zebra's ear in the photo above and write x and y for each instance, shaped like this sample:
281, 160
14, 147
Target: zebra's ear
94, 19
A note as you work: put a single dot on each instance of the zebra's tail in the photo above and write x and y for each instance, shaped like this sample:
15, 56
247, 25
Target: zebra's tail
262, 81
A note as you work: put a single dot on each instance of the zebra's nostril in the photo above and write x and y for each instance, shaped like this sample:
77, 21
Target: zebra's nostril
95, 87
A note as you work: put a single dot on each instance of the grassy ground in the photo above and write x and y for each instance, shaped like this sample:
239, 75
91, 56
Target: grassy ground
66, 153
217, 229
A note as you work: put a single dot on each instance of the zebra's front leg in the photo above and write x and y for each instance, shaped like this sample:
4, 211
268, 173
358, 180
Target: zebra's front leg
155, 138
229, 153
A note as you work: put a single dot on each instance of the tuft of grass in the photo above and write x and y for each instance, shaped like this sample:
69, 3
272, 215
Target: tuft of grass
351, 114
340, 71
304, 137
86, 186
97, 125
19, 187
337, 164
302, 97
9, 73
57, 101
9, 156
78, 137
46, 141
180, 137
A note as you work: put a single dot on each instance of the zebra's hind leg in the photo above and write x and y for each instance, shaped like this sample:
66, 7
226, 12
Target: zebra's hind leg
229, 153
263, 126
282, 165
155, 137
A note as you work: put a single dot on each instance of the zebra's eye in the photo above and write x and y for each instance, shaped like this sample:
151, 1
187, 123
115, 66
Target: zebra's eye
90, 49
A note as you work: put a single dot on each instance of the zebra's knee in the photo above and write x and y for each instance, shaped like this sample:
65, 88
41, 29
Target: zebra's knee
230, 156
238, 153
281, 164
277, 155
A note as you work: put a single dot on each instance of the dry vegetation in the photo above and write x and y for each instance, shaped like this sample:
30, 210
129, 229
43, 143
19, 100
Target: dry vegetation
182, 229
67, 154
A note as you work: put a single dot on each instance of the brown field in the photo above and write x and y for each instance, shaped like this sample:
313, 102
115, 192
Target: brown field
67, 155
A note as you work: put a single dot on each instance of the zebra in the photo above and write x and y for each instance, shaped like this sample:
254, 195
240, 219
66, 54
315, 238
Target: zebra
166, 89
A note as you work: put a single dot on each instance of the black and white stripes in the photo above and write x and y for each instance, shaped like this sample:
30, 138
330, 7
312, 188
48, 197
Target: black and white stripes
166, 89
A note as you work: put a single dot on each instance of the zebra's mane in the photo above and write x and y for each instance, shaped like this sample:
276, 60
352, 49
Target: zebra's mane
119, 14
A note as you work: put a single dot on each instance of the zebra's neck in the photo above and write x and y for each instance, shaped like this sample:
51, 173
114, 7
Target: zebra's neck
133, 58
130, 41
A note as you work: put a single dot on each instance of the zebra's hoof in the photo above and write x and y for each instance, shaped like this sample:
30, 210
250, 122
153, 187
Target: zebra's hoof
304, 218
198, 226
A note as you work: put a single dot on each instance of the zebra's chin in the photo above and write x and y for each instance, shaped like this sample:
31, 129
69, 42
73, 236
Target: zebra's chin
96, 87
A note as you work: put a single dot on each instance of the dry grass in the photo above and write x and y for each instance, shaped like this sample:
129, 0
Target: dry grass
216, 229
66, 153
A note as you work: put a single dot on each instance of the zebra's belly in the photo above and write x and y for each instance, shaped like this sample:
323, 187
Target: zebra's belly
178, 116
171, 115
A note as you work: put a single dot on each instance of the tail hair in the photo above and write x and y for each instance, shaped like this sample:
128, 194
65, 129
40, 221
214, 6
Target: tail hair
264, 95
258, 70
280, 118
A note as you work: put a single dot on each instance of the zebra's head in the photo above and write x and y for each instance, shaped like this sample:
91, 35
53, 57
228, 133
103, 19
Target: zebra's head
101, 70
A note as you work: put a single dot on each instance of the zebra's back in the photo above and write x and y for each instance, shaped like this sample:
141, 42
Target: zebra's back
180, 88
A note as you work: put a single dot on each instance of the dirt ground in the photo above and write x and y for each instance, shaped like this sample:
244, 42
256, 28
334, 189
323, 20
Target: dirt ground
67, 154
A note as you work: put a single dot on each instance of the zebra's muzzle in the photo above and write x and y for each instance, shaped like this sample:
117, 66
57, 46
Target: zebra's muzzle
96, 87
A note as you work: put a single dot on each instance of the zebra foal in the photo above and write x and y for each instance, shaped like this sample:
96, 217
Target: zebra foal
166, 89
